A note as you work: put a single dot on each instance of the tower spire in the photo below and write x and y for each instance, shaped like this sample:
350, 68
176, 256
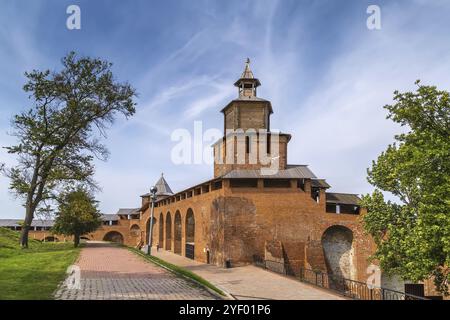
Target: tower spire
247, 84
247, 74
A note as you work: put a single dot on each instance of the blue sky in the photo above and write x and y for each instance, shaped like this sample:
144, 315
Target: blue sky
327, 76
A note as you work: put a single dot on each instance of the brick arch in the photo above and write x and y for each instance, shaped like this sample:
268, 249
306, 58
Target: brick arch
113, 236
168, 234
135, 230
50, 239
338, 247
177, 223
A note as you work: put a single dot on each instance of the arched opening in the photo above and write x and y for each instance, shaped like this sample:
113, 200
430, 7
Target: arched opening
177, 242
113, 236
190, 234
337, 243
135, 231
50, 239
161, 230
168, 232
84, 238
147, 231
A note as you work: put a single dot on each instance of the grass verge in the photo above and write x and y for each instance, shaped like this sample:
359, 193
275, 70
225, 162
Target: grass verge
33, 273
179, 271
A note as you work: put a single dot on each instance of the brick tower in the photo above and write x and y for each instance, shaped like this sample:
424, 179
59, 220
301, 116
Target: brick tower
248, 143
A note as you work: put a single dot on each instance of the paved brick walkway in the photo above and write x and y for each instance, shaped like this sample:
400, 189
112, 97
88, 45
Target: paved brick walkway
250, 282
110, 272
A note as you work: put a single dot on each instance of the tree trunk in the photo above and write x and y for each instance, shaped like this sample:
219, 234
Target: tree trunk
26, 228
24, 236
76, 240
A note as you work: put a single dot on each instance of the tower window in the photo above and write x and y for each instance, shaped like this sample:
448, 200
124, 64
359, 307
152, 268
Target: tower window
247, 144
268, 144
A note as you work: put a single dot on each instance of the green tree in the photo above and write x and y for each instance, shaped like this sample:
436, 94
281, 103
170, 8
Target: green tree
59, 136
77, 215
413, 234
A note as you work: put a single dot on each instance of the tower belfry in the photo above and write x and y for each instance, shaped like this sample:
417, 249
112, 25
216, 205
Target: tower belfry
247, 83
247, 111
248, 140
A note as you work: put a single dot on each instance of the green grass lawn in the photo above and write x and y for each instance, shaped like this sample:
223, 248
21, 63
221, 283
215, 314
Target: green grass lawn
32, 273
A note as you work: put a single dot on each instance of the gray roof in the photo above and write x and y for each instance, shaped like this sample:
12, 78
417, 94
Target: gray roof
110, 217
127, 211
292, 172
342, 198
18, 223
163, 188
320, 183
46, 222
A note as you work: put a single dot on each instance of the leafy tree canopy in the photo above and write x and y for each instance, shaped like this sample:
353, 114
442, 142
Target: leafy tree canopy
413, 234
77, 214
59, 135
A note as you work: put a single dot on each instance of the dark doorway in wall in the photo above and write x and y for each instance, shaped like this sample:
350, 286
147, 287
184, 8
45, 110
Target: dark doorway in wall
177, 235
190, 234
168, 231
337, 244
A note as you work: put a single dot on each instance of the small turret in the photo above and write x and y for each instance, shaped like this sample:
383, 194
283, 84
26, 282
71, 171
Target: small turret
247, 84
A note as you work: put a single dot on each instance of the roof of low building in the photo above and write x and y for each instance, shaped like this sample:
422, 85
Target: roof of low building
127, 211
292, 172
342, 198
319, 183
19, 222
47, 222
110, 217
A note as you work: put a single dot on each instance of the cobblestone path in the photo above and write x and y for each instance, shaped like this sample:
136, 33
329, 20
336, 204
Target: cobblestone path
109, 272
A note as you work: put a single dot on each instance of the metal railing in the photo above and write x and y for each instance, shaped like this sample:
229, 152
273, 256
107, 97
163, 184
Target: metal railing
349, 288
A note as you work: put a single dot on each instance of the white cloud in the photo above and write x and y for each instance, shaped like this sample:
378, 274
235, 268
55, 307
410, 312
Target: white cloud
338, 126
